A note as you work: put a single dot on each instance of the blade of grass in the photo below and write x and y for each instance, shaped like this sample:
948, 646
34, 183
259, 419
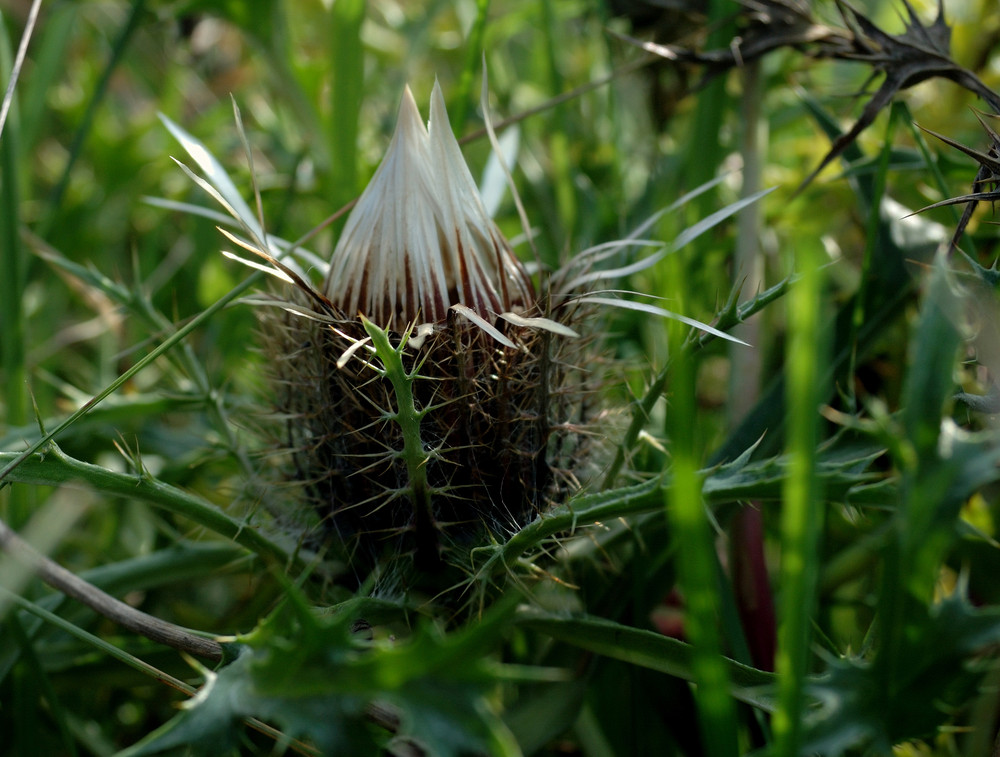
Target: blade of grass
93, 102
801, 519
346, 89
48, 66
873, 241
15, 505
13, 72
473, 54
685, 511
704, 147
647, 649
558, 142
44, 683
748, 260
100, 644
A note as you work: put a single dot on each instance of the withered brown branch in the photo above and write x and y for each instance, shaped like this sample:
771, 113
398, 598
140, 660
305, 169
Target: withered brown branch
763, 26
986, 185
128, 617
920, 53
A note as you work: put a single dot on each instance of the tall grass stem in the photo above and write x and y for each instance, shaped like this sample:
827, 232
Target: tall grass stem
802, 514
696, 552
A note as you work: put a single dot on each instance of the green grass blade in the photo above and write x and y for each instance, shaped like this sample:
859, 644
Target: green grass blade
473, 55
12, 263
48, 66
648, 649
15, 504
347, 67
96, 98
110, 649
558, 136
705, 150
875, 227
696, 568
801, 519
44, 683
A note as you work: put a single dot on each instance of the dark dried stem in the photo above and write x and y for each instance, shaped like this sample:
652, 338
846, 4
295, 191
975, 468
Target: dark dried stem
124, 615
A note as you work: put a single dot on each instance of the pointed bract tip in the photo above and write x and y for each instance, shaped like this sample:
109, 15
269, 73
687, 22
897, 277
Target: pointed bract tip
419, 240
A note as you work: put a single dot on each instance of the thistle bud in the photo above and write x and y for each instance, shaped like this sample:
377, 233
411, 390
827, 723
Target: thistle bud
424, 389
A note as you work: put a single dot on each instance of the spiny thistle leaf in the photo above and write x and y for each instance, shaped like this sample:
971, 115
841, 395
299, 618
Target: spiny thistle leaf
919, 53
309, 676
987, 176
839, 472
856, 708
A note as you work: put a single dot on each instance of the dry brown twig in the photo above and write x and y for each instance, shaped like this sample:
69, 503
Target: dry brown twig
125, 615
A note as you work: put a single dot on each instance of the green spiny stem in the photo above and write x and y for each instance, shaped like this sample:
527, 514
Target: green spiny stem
13, 461
731, 315
584, 511
762, 481
54, 467
408, 418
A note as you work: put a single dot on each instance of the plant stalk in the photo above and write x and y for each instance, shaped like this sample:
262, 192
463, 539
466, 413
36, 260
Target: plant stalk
115, 610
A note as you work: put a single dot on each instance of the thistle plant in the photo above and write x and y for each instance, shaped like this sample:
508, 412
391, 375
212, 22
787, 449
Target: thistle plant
432, 395
427, 389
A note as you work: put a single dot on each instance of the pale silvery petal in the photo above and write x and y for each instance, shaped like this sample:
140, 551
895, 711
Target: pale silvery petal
419, 239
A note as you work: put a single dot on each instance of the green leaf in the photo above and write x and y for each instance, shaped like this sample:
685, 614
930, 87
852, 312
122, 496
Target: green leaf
647, 649
308, 675
855, 709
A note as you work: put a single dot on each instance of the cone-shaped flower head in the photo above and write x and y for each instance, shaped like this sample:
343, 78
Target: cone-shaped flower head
419, 240
412, 444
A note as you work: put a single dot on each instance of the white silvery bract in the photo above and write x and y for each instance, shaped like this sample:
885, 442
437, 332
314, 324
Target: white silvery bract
419, 239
